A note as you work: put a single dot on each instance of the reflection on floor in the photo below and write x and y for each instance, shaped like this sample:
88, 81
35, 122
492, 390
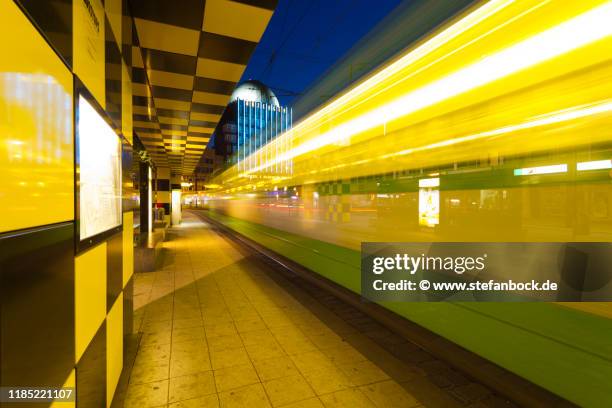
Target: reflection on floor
221, 329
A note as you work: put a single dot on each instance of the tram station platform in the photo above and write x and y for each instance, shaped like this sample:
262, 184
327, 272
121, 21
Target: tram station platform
219, 327
196, 216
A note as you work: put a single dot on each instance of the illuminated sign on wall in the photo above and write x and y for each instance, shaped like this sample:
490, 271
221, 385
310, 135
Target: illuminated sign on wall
150, 200
532, 171
429, 202
176, 207
594, 165
99, 172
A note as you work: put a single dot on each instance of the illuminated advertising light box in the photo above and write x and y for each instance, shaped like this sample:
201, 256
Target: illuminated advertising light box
99, 159
429, 202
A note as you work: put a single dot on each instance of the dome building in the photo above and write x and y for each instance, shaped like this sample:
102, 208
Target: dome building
253, 118
254, 91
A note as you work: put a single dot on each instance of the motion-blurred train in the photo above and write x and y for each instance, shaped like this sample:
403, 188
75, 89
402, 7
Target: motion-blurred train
496, 127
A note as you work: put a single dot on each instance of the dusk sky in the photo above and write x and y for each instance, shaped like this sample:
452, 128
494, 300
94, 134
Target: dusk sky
305, 37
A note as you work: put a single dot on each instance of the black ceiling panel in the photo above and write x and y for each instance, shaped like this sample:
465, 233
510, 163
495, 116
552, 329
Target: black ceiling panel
183, 13
169, 61
222, 48
214, 85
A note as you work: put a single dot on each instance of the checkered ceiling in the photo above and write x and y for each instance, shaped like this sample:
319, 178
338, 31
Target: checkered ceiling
188, 58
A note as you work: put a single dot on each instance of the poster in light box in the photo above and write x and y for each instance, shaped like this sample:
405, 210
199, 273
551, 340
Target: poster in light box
100, 173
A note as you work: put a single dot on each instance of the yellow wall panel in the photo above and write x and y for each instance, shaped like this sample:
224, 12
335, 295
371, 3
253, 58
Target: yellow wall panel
69, 383
36, 147
89, 295
126, 104
128, 246
114, 348
88, 47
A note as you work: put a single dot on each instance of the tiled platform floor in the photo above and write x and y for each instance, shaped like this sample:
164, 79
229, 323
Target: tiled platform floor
220, 330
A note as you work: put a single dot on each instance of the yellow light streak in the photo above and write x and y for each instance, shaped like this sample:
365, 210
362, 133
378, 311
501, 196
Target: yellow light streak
594, 165
552, 118
579, 31
498, 48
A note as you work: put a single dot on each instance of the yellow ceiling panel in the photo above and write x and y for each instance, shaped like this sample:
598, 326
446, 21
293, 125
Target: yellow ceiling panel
170, 79
142, 110
198, 139
236, 20
209, 117
114, 14
179, 46
150, 135
210, 98
172, 121
145, 124
137, 58
140, 89
201, 129
225, 71
166, 37
171, 132
113, 71
172, 104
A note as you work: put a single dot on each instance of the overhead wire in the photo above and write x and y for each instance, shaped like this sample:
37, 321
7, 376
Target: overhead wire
285, 39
